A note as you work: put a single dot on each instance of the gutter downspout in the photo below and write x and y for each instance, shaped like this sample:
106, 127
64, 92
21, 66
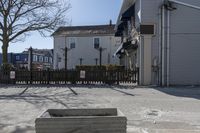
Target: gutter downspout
160, 47
168, 46
163, 46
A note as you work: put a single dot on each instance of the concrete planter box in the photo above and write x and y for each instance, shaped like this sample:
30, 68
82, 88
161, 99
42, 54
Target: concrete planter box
81, 121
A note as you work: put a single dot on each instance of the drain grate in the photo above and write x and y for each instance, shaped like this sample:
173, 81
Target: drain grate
153, 113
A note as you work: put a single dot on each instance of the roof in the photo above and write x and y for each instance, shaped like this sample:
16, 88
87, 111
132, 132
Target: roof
85, 30
47, 52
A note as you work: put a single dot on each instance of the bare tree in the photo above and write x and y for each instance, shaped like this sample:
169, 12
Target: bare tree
20, 17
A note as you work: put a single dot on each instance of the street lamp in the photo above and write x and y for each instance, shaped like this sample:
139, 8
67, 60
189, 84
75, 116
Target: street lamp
66, 53
30, 59
66, 49
31, 63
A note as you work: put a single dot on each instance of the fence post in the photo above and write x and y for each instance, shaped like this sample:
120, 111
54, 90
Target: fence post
138, 76
65, 76
31, 64
118, 77
48, 78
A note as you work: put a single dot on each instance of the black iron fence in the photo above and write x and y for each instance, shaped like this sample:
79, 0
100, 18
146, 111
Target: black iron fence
69, 77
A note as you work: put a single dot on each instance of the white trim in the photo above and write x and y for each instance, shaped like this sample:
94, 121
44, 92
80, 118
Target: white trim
185, 4
140, 19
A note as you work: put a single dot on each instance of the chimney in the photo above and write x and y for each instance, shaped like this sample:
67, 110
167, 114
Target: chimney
110, 22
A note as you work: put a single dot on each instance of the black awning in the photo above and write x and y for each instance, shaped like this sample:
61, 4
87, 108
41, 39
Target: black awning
118, 34
118, 51
121, 26
125, 46
128, 13
129, 45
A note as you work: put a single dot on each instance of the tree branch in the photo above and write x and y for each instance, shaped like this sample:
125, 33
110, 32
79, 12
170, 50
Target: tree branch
23, 16
1, 25
2, 10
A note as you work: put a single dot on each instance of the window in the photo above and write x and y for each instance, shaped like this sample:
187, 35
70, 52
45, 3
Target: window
59, 59
46, 59
35, 58
96, 43
147, 29
72, 43
17, 57
40, 59
50, 60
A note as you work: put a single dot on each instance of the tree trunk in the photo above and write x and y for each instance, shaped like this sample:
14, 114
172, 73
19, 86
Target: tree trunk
5, 52
5, 41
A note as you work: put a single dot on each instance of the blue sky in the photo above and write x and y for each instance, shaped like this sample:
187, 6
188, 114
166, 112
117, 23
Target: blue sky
83, 12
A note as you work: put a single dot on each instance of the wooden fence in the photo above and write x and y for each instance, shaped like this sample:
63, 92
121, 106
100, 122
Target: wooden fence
69, 77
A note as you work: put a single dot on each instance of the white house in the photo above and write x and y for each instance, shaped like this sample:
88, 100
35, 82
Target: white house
83, 44
162, 38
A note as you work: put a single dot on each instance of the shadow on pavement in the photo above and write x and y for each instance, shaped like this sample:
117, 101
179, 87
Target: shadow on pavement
23, 129
188, 92
121, 91
35, 99
17, 129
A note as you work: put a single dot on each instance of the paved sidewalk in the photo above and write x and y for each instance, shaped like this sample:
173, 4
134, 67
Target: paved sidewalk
149, 110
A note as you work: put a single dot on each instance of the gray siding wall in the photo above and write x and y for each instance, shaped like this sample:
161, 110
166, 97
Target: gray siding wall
184, 41
185, 45
151, 15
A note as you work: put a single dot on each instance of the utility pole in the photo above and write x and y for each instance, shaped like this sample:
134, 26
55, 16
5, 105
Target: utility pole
11, 58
